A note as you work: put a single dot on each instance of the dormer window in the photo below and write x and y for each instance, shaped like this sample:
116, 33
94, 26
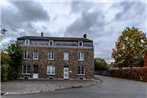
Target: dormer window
80, 43
51, 42
27, 42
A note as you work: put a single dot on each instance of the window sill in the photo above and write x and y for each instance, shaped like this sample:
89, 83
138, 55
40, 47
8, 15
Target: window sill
26, 73
80, 60
50, 59
66, 60
36, 59
26, 58
50, 74
81, 74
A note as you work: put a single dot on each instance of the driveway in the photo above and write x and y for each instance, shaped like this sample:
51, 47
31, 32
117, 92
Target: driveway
32, 86
109, 88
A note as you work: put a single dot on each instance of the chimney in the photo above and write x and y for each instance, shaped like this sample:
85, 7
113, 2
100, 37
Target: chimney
41, 34
85, 36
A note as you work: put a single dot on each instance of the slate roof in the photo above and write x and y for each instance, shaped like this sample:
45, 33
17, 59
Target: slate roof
54, 38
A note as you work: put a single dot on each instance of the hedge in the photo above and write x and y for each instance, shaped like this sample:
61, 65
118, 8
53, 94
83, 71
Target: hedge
130, 73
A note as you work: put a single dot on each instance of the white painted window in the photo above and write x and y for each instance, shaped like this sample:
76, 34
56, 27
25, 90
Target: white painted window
81, 56
81, 70
35, 55
26, 69
26, 54
80, 43
51, 42
66, 56
50, 55
27, 42
50, 70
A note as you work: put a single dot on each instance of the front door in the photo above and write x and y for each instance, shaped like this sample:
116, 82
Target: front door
66, 73
35, 73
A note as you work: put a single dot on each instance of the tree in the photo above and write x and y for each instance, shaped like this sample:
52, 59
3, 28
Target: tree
15, 54
4, 65
100, 64
130, 48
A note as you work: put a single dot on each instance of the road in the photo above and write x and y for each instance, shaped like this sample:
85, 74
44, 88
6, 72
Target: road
109, 88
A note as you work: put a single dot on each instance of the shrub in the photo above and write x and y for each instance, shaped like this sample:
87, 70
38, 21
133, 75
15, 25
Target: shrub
4, 72
12, 73
8, 72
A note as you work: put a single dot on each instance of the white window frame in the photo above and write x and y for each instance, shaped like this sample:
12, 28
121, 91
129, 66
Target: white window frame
27, 40
81, 43
26, 54
50, 42
81, 56
81, 71
26, 71
50, 55
37, 55
52, 70
66, 55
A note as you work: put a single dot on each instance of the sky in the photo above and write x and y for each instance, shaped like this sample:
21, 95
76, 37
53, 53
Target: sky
102, 20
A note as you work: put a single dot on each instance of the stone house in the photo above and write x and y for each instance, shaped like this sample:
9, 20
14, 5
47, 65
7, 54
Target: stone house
145, 60
56, 57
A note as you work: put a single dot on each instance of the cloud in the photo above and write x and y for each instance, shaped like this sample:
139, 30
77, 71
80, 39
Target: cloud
21, 13
103, 22
131, 9
90, 20
20, 18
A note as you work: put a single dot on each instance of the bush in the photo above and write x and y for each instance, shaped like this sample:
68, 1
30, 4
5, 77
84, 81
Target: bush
8, 72
4, 72
130, 73
12, 73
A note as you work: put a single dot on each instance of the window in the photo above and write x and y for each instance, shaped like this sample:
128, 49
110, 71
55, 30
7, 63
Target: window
35, 68
26, 69
50, 70
27, 42
35, 55
26, 54
81, 56
51, 42
81, 70
66, 56
80, 43
50, 56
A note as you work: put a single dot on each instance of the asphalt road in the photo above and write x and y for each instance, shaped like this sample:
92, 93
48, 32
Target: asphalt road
109, 88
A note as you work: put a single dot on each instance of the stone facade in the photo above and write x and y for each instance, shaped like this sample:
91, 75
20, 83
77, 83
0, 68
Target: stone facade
145, 60
59, 62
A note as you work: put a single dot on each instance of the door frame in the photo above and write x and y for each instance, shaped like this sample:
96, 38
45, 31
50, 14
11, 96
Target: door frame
35, 72
64, 73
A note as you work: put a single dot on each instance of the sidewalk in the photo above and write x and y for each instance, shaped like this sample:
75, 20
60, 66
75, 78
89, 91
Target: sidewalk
32, 86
